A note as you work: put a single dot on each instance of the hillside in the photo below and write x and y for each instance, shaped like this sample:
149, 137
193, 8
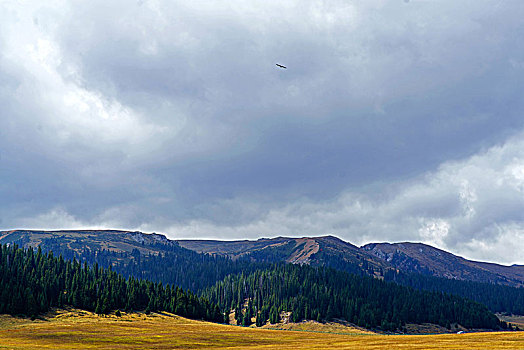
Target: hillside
327, 294
421, 258
372, 259
90, 240
314, 251
158, 259
33, 282
145, 256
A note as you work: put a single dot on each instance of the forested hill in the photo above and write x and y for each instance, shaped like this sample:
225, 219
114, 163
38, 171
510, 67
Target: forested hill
89, 240
155, 258
372, 259
324, 294
146, 256
425, 259
33, 282
173, 264
498, 298
193, 271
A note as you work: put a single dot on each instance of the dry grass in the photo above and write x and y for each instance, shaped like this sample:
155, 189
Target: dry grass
75, 329
515, 320
313, 326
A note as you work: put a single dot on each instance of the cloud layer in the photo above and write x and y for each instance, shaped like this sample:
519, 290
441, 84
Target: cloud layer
394, 120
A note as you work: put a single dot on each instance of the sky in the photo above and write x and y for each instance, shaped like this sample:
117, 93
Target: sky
394, 120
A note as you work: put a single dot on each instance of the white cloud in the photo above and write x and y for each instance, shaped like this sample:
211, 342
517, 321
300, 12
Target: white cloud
55, 219
433, 231
53, 110
472, 207
390, 123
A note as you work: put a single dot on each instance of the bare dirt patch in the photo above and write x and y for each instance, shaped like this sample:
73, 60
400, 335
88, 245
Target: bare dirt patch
302, 256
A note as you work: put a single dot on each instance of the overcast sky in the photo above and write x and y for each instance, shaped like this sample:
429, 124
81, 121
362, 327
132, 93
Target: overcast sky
394, 121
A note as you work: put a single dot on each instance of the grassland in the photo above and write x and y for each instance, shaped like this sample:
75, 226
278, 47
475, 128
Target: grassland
75, 330
515, 320
313, 326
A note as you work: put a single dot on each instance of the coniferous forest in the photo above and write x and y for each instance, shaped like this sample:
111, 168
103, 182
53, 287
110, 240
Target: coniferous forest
194, 271
175, 265
324, 294
33, 282
497, 298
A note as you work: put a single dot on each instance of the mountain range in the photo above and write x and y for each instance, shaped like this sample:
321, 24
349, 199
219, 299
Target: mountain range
373, 259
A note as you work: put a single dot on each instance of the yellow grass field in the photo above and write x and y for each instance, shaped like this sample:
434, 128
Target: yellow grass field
83, 330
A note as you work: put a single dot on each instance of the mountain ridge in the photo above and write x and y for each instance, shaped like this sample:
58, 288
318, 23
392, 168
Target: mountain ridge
372, 259
426, 259
409, 257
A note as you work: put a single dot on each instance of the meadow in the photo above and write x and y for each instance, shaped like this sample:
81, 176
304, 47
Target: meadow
75, 329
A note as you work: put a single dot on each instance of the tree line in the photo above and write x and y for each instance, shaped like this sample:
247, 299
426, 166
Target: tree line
188, 270
173, 264
33, 282
195, 271
325, 294
496, 297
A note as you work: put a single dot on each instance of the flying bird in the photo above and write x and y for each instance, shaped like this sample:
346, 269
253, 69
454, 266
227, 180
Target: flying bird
281, 66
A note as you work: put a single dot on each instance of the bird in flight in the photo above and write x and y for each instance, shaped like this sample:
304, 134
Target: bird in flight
281, 66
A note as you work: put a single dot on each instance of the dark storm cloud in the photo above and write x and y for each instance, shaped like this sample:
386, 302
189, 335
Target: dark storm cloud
172, 116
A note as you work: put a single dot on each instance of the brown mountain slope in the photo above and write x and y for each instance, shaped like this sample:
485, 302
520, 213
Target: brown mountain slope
422, 258
233, 249
316, 251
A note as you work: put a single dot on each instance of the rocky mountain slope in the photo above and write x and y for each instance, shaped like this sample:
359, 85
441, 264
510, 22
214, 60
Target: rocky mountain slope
425, 259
